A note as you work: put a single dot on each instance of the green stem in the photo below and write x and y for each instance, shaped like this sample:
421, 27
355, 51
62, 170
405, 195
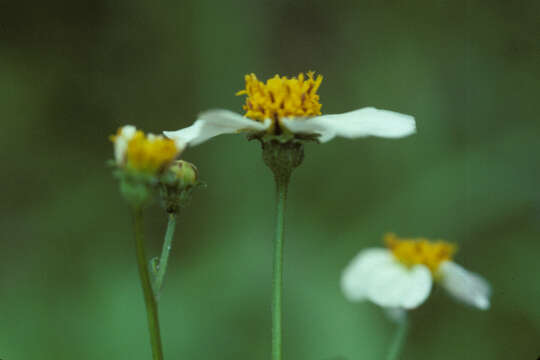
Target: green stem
165, 254
149, 299
277, 283
399, 339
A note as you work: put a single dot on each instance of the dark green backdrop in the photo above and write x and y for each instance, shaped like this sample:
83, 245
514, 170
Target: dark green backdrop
71, 72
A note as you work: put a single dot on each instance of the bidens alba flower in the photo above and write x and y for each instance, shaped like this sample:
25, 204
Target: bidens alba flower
133, 150
401, 276
291, 107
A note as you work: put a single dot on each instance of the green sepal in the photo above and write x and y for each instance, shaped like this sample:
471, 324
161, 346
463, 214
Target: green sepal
285, 137
282, 157
136, 187
175, 196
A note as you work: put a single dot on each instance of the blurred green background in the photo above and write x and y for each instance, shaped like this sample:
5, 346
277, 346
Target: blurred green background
72, 72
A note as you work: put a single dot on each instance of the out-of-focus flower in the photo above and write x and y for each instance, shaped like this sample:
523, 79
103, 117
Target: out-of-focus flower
401, 276
150, 154
289, 108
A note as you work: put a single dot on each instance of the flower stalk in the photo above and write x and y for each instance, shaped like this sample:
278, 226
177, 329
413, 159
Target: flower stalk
277, 277
163, 260
399, 339
281, 158
149, 298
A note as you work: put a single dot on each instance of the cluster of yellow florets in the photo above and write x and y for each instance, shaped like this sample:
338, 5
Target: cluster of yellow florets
420, 251
146, 153
282, 97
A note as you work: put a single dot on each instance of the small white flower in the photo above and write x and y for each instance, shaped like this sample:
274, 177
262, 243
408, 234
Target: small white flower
291, 106
143, 152
402, 275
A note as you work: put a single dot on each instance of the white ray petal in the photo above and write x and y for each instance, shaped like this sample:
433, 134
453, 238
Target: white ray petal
466, 286
395, 285
213, 123
355, 277
358, 123
121, 142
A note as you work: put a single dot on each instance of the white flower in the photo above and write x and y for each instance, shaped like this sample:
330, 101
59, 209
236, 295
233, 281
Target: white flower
143, 152
284, 105
402, 275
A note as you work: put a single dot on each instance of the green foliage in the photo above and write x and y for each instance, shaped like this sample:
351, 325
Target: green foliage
73, 72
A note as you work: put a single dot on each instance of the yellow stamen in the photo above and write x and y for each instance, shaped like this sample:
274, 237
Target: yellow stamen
150, 153
420, 251
282, 97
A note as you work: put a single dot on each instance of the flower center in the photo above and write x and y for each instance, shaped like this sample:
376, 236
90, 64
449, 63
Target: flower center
282, 97
148, 153
420, 251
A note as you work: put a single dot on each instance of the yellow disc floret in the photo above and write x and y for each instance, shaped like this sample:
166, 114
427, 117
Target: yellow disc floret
146, 153
282, 97
420, 251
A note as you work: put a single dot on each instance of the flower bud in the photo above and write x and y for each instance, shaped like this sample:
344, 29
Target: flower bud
178, 184
185, 173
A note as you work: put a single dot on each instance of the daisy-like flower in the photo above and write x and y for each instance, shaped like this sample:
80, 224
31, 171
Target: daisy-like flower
290, 107
146, 164
149, 154
402, 275
281, 114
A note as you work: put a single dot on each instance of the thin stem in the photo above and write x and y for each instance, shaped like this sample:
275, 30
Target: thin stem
149, 299
277, 283
165, 254
399, 339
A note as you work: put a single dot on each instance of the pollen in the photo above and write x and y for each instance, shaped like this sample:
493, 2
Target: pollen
282, 97
420, 251
148, 153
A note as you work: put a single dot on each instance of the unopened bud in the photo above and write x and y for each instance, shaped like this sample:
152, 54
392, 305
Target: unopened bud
177, 185
185, 173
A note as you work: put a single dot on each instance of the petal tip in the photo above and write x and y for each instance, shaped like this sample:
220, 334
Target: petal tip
169, 134
482, 303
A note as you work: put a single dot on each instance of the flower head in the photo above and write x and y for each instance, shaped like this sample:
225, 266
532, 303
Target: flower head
143, 153
282, 97
291, 107
412, 252
402, 275
145, 163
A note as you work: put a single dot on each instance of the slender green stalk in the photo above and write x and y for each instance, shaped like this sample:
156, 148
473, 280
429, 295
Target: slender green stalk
277, 283
399, 339
149, 299
282, 158
169, 234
